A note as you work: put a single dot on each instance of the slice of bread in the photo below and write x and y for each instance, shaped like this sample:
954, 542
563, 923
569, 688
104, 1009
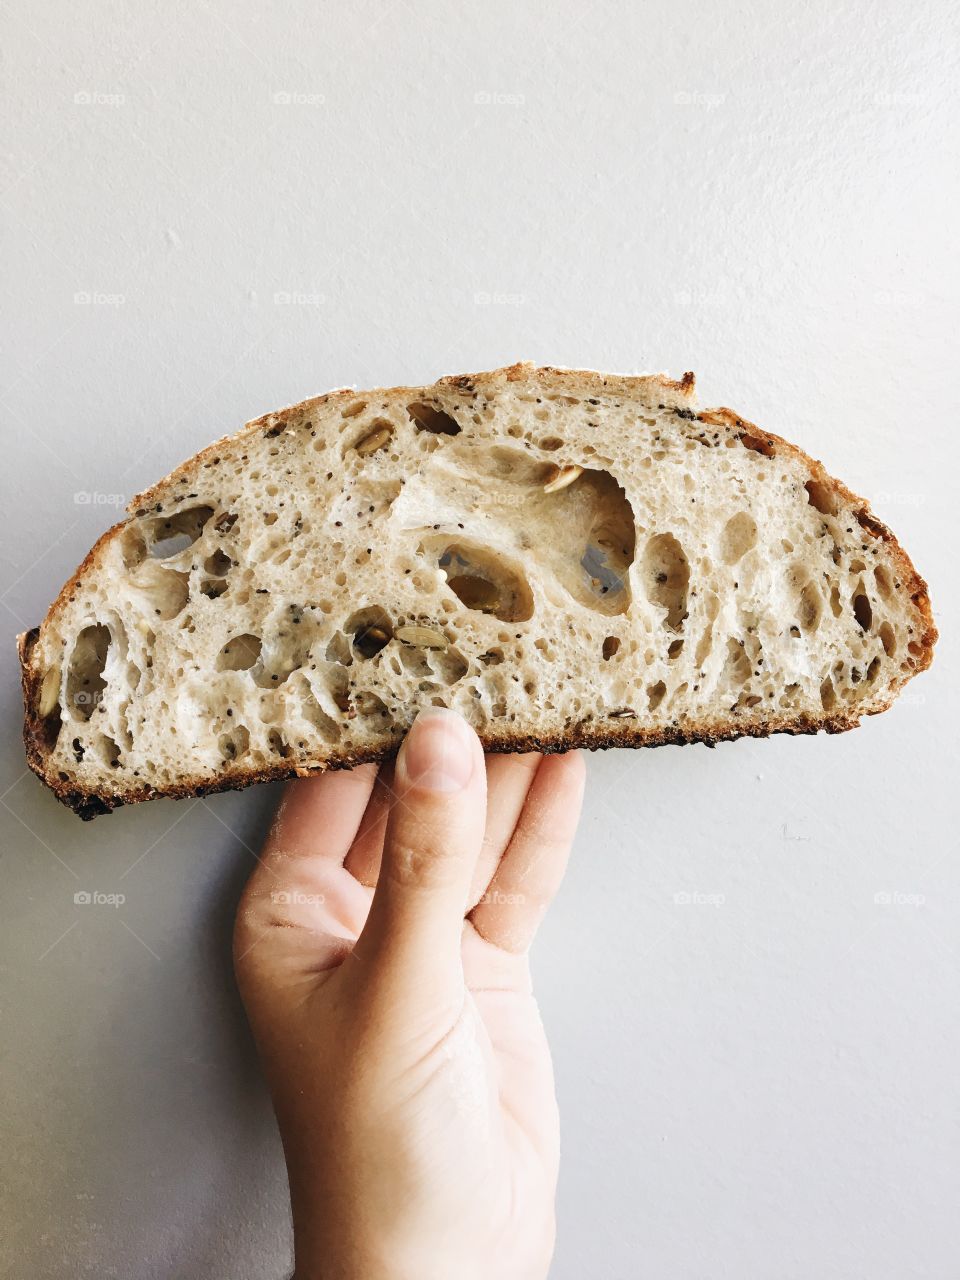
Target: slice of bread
566, 558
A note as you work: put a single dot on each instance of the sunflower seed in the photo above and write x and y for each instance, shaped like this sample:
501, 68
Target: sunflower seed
374, 441
561, 477
49, 692
421, 637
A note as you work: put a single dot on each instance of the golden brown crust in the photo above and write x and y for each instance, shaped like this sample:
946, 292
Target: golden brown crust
662, 391
584, 735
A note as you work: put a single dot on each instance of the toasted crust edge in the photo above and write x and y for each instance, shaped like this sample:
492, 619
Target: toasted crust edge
678, 394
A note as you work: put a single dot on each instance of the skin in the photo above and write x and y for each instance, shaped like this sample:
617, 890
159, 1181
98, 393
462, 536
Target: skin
381, 949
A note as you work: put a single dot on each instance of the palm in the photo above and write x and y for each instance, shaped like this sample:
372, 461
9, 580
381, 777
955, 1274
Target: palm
452, 1068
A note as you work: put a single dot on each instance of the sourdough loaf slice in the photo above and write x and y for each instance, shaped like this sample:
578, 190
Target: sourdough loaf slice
566, 558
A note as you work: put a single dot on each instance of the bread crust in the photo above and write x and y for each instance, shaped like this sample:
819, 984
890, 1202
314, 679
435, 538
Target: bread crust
658, 391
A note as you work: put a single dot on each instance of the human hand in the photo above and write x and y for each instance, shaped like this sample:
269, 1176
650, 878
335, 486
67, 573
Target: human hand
381, 952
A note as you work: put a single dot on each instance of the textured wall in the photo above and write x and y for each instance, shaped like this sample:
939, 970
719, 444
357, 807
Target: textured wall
213, 209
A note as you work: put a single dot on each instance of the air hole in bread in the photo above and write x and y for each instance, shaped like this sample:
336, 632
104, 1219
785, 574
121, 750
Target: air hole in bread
667, 577
225, 521
821, 497
133, 546
758, 444
884, 582
861, 608
430, 417
234, 744
213, 588
371, 629
482, 579
338, 649
332, 690
278, 743
369, 703
655, 694
240, 654
85, 682
746, 701
169, 535
736, 670
107, 750
888, 639
353, 408
551, 444
809, 607
610, 647
595, 540
414, 661
704, 647
828, 695
218, 565
739, 536
159, 591
449, 664
475, 592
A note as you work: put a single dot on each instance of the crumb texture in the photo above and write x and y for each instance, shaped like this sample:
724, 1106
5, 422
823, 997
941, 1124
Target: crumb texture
558, 556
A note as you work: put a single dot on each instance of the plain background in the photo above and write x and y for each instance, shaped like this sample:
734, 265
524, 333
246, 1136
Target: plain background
750, 979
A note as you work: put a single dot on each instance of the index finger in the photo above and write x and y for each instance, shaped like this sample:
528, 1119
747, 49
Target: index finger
319, 817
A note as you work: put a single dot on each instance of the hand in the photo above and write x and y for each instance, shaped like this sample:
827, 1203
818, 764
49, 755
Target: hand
381, 952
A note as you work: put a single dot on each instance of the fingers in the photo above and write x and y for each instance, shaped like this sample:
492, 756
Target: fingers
363, 860
299, 907
508, 781
318, 817
532, 868
433, 836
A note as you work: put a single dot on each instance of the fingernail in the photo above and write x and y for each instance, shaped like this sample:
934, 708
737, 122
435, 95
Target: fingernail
437, 754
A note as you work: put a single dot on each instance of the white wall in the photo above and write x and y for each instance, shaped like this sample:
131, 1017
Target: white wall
765, 193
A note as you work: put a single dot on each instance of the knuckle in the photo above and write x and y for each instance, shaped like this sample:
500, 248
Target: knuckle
413, 862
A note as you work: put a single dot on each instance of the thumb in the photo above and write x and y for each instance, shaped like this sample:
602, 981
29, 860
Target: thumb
433, 838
